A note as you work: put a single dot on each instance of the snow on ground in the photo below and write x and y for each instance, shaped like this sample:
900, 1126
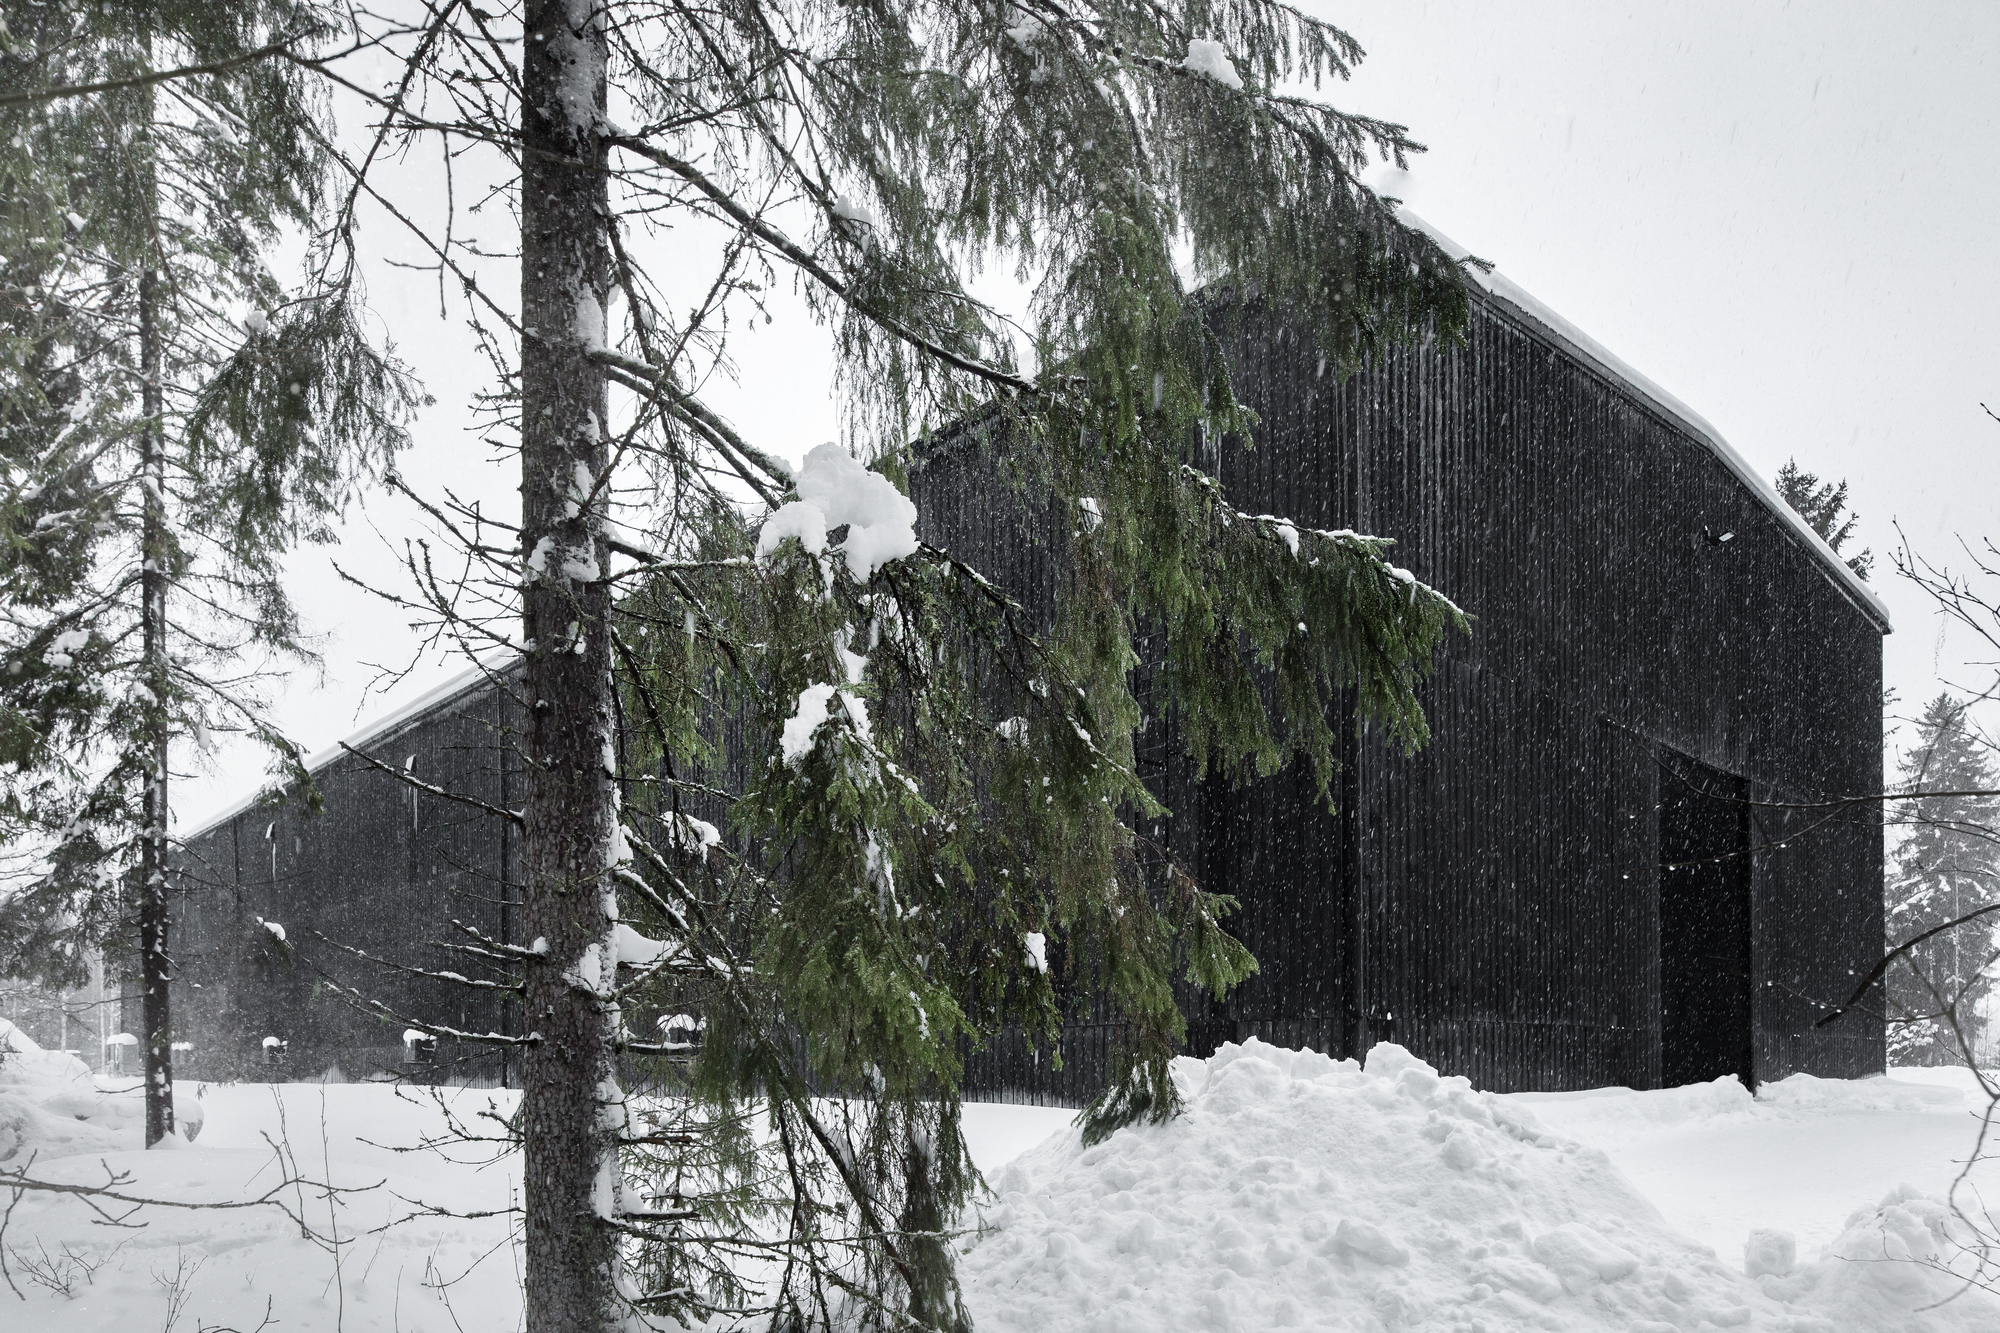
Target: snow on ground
1297, 1191
429, 1273
1801, 1155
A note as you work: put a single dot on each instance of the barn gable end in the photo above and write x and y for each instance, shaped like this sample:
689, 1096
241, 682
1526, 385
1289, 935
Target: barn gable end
1607, 867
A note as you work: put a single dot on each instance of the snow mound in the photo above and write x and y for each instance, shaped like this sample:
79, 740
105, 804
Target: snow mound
1804, 1092
1609, 1115
1302, 1191
50, 1106
1615, 1115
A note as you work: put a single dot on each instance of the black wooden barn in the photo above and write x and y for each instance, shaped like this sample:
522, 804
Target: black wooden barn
1606, 868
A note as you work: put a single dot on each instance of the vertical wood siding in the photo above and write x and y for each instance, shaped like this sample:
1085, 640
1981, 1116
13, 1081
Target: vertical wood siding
1491, 902
384, 869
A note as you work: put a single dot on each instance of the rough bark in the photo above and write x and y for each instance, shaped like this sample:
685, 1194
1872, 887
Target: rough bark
571, 1107
153, 919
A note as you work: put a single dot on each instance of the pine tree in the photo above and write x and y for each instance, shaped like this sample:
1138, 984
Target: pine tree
162, 455
1946, 864
1820, 505
929, 786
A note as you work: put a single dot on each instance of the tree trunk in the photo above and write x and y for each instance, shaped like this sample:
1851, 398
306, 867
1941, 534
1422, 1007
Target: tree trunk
572, 1111
153, 922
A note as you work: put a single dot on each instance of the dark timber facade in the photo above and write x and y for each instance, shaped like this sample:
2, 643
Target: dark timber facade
1607, 867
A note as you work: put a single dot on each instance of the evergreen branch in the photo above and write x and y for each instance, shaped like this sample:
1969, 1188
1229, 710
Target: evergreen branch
734, 450
277, 49
376, 1009
498, 949
476, 983
799, 256
411, 780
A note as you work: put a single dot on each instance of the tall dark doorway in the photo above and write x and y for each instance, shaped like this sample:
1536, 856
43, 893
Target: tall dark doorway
1705, 1029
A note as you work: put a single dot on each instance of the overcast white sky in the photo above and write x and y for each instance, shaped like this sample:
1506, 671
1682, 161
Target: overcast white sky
1785, 215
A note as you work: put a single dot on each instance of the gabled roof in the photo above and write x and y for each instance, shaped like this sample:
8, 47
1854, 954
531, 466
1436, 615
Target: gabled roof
463, 686
1581, 345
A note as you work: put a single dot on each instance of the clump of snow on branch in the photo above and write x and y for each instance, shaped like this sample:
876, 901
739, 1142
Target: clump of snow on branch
852, 211
276, 930
1206, 57
801, 731
1287, 531
693, 836
636, 950
835, 490
798, 521
1027, 30
65, 645
1036, 945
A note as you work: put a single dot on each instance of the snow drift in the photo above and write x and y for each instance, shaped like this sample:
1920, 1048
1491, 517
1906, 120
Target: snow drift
51, 1106
1301, 1191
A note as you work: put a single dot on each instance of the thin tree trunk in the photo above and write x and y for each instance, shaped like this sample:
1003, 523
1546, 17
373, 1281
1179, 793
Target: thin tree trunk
153, 922
571, 1108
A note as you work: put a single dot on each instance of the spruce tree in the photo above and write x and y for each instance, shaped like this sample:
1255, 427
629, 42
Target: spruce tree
175, 421
1821, 504
1946, 864
927, 786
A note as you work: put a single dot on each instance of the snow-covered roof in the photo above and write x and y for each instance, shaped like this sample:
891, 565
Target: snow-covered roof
1580, 344
466, 683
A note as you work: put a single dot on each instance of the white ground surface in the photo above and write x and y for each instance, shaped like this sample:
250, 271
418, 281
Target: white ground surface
1253, 1211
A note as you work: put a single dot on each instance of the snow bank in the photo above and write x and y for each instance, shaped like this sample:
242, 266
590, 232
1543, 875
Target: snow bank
1300, 1191
1613, 1115
51, 1106
1804, 1092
